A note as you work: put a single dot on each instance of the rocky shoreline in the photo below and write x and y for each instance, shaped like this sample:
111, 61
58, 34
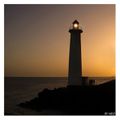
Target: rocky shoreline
75, 100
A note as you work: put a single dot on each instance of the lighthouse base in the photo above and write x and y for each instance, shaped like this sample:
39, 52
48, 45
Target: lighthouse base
81, 81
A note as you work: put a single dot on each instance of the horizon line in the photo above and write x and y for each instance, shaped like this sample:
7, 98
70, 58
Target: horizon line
56, 76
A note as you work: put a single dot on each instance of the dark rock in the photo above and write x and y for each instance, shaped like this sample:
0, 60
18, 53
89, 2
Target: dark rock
76, 100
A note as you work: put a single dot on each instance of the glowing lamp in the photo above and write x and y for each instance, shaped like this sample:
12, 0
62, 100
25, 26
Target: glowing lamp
76, 24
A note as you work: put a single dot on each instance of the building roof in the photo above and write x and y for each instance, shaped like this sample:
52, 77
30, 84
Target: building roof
75, 22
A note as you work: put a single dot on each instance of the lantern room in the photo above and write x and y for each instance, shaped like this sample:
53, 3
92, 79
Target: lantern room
75, 24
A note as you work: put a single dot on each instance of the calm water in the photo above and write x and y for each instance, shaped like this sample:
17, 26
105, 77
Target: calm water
20, 89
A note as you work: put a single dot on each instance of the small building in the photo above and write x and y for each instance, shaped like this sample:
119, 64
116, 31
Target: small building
91, 82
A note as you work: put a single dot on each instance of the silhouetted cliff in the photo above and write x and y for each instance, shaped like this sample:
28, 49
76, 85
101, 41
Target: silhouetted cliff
76, 100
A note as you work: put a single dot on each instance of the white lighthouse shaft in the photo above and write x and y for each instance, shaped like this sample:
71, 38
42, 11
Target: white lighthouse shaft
75, 60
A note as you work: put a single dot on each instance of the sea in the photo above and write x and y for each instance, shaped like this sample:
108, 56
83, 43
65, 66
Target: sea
21, 89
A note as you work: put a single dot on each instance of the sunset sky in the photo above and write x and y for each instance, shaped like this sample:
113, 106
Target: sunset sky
37, 39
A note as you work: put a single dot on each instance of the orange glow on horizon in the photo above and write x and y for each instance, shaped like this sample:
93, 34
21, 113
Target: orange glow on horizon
37, 42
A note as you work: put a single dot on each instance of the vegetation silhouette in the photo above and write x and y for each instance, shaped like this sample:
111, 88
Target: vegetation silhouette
76, 100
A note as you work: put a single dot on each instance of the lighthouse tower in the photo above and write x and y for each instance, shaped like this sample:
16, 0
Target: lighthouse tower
75, 60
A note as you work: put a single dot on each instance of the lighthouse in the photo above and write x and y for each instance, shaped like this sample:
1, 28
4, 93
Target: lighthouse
75, 57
